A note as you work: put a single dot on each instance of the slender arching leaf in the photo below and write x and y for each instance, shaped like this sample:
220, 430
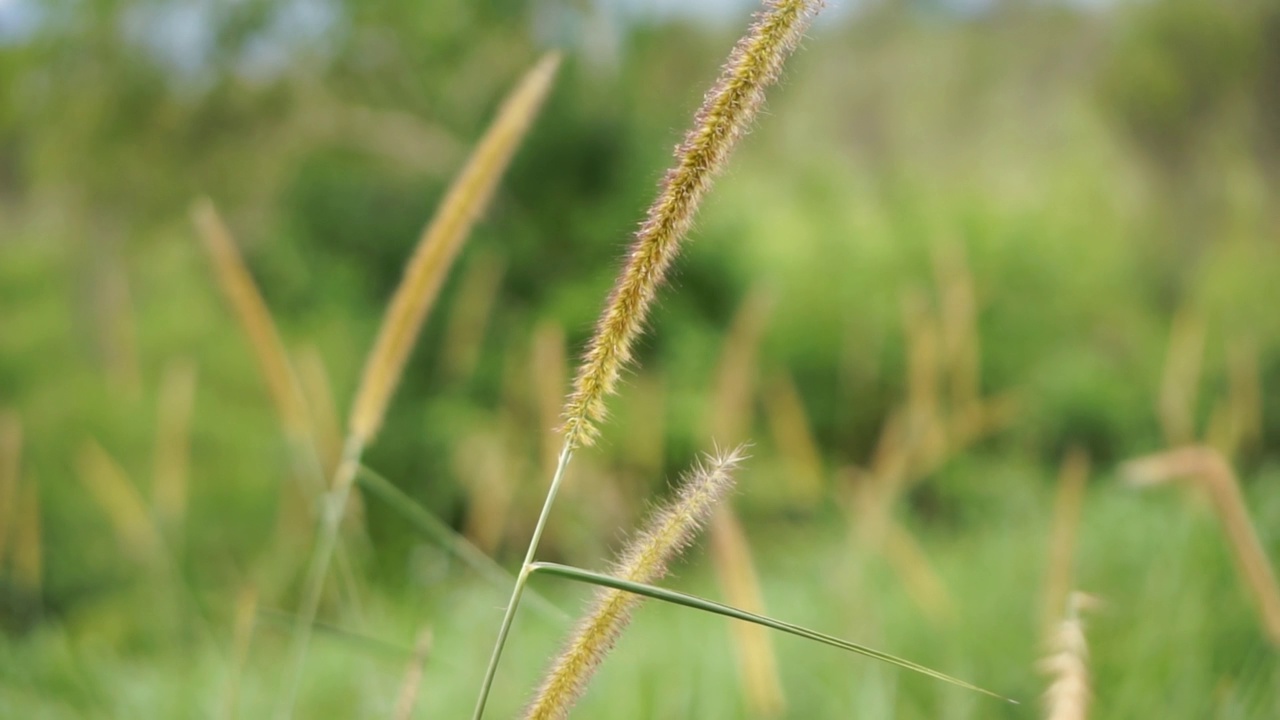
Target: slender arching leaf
439, 531
692, 601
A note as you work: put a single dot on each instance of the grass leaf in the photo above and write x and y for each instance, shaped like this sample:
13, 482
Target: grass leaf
692, 601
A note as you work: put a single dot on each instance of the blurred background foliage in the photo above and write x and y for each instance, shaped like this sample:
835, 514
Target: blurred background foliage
1093, 179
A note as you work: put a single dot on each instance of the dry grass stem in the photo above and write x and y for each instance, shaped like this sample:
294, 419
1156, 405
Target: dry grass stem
317, 388
27, 554
172, 454
958, 315
726, 113
408, 697
736, 573
243, 622
10, 472
440, 244
111, 489
464, 334
1236, 422
1180, 380
1072, 479
1214, 473
736, 376
789, 426
645, 560
486, 469
1068, 695
241, 291
548, 373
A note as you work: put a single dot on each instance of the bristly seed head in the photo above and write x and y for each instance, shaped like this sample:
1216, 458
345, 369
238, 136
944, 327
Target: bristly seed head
645, 560
726, 112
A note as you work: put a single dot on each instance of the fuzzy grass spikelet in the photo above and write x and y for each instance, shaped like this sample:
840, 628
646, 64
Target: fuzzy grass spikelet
645, 560
726, 112
1068, 666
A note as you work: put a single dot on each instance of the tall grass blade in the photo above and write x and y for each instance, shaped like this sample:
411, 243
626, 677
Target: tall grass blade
692, 601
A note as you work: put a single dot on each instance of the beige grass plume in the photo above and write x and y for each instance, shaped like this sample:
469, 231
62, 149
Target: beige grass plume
440, 244
1068, 695
726, 113
645, 560
1212, 471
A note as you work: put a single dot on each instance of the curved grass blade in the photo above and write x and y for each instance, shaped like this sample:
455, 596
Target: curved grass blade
577, 574
440, 532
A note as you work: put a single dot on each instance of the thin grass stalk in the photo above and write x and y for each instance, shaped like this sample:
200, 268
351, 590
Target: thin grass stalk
645, 560
1180, 378
408, 697
27, 554
736, 572
1066, 523
424, 275
111, 489
726, 113
464, 334
1208, 467
10, 472
172, 453
246, 612
960, 345
318, 391
790, 428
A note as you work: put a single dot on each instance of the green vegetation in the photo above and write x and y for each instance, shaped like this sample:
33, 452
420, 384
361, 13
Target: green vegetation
969, 245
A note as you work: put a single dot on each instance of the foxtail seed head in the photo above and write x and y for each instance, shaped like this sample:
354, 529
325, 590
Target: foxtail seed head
440, 244
645, 560
251, 310
726, 112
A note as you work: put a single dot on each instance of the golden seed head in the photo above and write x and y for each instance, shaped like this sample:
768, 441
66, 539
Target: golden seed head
251, 310
726, 112
645, 560
440, 244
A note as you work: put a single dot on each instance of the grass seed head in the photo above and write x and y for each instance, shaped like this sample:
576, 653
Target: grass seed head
726, 113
